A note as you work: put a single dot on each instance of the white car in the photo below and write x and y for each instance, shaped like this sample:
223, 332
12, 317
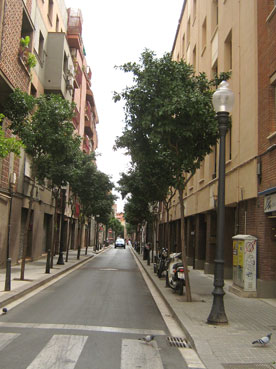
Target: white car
120, 242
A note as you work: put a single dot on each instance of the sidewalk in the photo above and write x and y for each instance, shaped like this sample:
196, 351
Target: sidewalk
35, 275
222, 347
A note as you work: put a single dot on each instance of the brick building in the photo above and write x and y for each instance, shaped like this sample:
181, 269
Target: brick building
56, 42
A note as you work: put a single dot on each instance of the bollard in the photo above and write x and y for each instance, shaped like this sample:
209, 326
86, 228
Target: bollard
48, 262
148, 261
79, 251
8, 275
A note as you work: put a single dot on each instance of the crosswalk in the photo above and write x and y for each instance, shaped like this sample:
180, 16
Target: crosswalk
62, 351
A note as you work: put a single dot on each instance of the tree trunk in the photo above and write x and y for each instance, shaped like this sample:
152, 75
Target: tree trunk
25, 237
183, 248
53, 247
168, 230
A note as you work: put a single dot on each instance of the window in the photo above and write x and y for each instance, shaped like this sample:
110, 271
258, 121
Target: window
213, 163
194, 58
50, 10
203, 35
228, 52
57, 24
183, 46
41, 48
214, 71
201, 170
188, 32
194, 10
214, 15
65, 63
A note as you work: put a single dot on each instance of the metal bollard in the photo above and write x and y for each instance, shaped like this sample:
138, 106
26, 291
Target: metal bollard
48, 262
8, 275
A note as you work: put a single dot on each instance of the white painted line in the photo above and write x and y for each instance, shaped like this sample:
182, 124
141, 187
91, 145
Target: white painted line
61, 352
136, 354
91, 328
6, 338
189, 355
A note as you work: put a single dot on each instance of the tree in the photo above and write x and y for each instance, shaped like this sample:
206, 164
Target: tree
45, 128
8, 144
116, 226
169, 109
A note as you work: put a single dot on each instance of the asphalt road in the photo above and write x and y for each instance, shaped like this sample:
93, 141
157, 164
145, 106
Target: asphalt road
90, 319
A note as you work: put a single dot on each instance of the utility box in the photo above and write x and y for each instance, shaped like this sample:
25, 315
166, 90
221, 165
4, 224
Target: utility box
245, 262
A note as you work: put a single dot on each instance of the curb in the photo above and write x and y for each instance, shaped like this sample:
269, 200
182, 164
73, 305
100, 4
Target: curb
175, 316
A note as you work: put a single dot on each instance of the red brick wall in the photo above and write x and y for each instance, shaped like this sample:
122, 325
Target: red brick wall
10, 65
266, 126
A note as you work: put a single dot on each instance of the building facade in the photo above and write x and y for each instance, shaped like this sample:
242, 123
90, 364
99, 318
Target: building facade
55, 35
220, 36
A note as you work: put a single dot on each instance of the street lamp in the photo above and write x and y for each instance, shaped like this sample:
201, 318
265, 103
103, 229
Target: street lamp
223, 101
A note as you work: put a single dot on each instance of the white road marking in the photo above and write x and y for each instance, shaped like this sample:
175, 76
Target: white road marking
189, 355
61, 352
136, 354
91, 328
6, 338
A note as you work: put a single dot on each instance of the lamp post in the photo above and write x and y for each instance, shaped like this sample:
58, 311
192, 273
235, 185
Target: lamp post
223, 101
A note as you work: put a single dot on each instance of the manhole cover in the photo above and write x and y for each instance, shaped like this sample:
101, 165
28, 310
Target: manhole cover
248, 366
178, 342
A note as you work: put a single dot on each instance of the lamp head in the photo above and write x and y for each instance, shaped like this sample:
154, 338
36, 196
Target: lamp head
223, 98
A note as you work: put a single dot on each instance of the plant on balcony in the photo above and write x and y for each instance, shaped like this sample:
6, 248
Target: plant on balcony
28, 59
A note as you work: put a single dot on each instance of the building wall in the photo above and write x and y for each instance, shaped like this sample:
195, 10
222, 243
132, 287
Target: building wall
14, 74
221, 41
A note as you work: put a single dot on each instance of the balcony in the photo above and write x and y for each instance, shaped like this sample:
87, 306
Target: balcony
74, 29
59, 69
76, 119
88, 120
86, 145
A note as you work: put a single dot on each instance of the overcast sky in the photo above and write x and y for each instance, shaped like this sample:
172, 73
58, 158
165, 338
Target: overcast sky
116, 32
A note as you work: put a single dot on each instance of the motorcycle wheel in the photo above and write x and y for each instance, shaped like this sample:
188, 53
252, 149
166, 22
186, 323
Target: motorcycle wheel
167, 279
180, 287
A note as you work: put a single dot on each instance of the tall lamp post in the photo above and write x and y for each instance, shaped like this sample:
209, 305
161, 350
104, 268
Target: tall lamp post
223, 101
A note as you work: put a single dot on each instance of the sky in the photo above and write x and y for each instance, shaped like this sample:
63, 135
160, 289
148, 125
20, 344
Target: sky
116, 32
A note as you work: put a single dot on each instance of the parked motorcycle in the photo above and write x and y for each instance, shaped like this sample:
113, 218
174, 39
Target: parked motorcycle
161, 263
175, 277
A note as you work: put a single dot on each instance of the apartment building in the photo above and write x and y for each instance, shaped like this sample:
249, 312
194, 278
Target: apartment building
55, 35
238, 36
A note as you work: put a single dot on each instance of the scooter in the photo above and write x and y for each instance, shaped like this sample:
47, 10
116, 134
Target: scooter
160, 265
175, 277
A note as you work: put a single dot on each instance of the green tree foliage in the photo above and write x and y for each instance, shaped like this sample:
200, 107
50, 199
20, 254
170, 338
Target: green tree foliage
116, 226
44, 126
8, 144
92, 187
169, 111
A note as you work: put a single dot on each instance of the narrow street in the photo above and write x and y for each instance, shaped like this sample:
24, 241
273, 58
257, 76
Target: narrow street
92, 318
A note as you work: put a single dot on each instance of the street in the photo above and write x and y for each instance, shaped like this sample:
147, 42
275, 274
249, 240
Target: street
92, 318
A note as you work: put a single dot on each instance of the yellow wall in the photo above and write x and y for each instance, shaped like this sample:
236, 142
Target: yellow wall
238, 17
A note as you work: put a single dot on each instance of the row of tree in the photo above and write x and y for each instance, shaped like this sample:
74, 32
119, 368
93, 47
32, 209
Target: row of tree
45, 130
170, 126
